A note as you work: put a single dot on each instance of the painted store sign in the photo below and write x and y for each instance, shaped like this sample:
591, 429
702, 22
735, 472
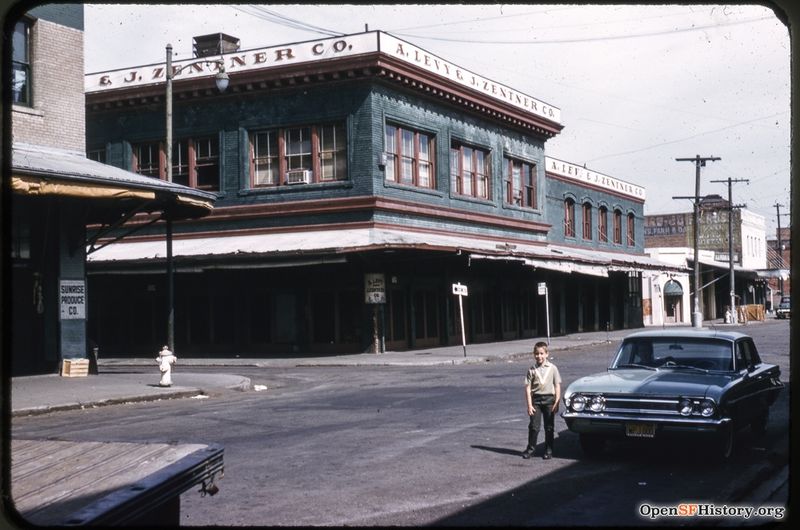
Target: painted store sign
320, 50
587, 176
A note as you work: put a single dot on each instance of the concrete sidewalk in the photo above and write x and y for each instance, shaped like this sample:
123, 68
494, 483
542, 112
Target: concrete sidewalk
48, 393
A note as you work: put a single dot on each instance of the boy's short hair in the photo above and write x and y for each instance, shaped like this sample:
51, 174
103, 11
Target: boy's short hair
540, 344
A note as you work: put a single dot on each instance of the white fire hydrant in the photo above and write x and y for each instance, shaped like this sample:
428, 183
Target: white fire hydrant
165, 361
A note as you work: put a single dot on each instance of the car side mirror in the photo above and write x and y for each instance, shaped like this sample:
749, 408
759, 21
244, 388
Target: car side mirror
751, 368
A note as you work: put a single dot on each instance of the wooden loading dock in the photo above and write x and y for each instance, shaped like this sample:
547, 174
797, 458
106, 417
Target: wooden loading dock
65, 483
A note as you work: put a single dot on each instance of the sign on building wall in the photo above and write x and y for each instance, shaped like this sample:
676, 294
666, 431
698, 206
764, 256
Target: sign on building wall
374, 288
72, 299
587, 176
310, 52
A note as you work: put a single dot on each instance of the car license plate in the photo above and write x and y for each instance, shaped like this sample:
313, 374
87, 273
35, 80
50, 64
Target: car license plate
640, 430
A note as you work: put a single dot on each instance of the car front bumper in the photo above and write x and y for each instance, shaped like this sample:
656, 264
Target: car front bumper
615, 424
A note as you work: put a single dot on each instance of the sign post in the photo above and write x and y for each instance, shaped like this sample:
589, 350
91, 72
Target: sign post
460, 291
543, 290
375, 294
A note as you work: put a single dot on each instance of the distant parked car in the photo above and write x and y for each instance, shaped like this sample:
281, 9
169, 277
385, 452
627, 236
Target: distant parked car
696, 384
784, 309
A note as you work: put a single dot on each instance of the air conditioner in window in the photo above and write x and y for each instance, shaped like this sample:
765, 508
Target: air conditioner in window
298, 176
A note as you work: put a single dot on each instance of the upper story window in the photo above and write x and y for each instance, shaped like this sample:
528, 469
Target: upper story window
587, 221
631, 231
602, 224
409, 157
298, 155
195, 161
469, 171
569, 217
617, 227
98, 155
520, 183
21, 66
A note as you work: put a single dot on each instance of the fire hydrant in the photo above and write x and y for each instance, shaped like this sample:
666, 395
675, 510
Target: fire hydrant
165, 361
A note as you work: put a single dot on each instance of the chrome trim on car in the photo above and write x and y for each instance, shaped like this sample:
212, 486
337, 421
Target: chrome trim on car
626, 418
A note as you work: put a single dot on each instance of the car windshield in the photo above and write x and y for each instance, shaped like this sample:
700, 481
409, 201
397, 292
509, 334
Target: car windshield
672, 352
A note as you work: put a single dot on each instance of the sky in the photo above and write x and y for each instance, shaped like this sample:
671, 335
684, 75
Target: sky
637, 85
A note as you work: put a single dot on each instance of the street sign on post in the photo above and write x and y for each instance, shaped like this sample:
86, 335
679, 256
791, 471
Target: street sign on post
543, 290
460, 291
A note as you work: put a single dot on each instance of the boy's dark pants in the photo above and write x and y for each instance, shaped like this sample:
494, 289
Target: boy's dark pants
543, 405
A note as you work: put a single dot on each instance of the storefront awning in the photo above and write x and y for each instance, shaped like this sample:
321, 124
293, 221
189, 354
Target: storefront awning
284, 245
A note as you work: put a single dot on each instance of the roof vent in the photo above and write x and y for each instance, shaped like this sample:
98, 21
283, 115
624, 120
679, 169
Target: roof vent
214, 44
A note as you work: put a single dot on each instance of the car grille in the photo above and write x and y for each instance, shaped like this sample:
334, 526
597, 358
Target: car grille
641, 405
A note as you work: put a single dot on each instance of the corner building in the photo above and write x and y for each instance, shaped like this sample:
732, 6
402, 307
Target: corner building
348, 171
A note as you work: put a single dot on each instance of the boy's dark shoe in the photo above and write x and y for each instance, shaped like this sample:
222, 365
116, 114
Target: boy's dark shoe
547, 456
527, 453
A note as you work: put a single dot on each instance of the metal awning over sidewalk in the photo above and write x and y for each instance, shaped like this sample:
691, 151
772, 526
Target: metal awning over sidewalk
39, 171
348, 240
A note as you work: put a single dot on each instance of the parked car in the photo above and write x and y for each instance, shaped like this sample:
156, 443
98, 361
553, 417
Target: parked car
697, 384
784, 309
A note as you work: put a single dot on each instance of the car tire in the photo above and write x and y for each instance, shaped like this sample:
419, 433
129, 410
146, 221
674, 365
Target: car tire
724, 445
592, 445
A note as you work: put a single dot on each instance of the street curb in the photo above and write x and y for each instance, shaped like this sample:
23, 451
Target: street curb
243, 385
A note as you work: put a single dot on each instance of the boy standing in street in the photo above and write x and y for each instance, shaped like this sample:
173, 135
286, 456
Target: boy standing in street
542, 394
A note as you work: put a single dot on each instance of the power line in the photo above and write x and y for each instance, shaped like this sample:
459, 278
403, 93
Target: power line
283, 20
592, 39
684, 139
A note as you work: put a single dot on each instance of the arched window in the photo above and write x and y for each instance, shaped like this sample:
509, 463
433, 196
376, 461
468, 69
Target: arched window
602, 224
587, 221
617, 227
631, 231
569, 217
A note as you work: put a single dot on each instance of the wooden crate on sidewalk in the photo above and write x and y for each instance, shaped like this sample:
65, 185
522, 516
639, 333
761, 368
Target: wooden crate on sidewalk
75, 368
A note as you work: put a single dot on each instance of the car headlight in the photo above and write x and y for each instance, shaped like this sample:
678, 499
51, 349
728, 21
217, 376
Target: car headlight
708, 408
685, 407
578, 403
597, 404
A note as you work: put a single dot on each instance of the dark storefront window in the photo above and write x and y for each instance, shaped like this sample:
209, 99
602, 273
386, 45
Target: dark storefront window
21, 66
195, 161
409, 157
469, 171
299, 155
520, 183
569, 217
602, 224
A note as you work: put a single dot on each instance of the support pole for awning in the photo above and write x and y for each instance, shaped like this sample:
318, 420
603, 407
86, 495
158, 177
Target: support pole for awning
170, 290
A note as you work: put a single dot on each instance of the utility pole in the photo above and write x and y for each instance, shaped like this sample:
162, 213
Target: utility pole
731, 207
780, 244
699, 161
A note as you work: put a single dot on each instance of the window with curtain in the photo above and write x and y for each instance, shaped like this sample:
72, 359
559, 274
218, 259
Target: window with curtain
520, 183
20, 64
587, 221
617, 227
298, 155
469, 171
569, 217
602, 224
409, 156
631, 231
